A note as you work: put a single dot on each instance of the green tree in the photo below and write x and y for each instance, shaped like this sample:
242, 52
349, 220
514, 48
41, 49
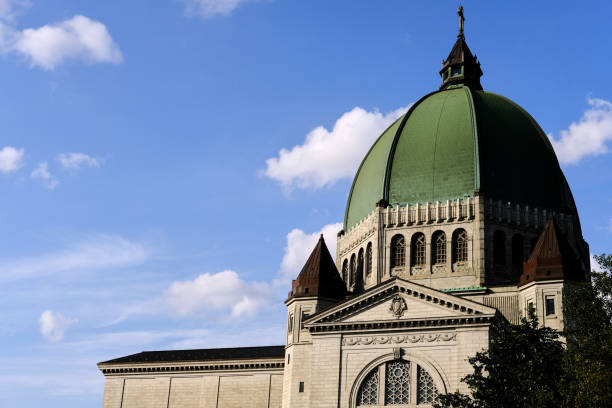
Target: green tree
588, 329
521, 369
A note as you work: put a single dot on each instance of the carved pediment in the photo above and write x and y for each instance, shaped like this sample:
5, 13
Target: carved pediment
400, 300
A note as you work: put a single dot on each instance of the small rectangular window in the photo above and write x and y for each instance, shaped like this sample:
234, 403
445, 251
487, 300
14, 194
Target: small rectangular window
290, 324
301, 386
288, 359
550, 306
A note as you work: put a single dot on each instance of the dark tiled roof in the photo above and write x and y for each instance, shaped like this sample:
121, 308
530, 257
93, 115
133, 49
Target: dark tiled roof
319, 276
552, 258
168, 356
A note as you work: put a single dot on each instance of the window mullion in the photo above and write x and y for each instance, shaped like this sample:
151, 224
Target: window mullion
382, 380
413, 384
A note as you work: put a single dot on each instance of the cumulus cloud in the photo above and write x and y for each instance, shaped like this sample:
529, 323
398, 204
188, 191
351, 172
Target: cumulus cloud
587, 137
94, 253
327, 156
11, 159
42, 173
74, 161
300, 245
223, 291
53, 325
209, 8
79, 38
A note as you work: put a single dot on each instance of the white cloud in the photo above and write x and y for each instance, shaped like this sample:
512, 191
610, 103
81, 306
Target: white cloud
327, 156
42, 173
76, 160
300, 245
53, 325
587, 137
218, 292
209, 8
11, 159
10, 8
52, 44
95, 253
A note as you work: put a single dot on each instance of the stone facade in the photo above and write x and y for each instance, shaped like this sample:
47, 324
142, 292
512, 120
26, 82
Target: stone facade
199, 384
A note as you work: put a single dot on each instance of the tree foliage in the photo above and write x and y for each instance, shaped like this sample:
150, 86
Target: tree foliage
529, 366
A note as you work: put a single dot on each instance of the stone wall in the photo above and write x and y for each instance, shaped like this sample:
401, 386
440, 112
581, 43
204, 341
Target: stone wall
236, 389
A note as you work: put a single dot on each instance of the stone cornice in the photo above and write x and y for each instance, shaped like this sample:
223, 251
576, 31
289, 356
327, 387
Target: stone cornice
393, 325
191, 367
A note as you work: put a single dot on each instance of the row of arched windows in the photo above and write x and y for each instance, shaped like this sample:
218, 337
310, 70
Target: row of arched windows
418, 252
353, 270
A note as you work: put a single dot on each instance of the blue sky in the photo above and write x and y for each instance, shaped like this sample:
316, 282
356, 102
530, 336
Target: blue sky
147, 199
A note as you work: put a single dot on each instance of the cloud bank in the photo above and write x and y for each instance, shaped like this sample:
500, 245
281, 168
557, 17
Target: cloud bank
329, 155
587, 137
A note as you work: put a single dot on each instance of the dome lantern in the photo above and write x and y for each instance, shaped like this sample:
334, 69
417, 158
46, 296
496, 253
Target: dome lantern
461, 67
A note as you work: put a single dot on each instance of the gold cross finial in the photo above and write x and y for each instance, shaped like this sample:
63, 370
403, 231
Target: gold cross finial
461, 20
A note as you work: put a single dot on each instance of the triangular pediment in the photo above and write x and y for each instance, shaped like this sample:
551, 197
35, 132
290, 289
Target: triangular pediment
401, 300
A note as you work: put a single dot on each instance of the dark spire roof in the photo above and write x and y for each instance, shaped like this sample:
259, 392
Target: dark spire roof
552, 258
319, 276
461, 67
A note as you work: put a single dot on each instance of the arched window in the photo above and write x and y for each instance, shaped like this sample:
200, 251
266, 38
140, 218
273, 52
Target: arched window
398, 251
359, 274
517, 251
353, 269
406, 384
460, 246
368, 261
345, 271
438, 247
499, 248
417, 248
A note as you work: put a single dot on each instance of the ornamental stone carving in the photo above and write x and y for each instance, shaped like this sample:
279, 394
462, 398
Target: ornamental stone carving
417, 338
398, 306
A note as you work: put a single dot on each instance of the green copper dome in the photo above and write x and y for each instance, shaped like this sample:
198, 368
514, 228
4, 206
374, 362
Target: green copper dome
453, 143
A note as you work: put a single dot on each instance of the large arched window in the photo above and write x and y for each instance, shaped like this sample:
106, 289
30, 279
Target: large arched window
368, 260
405, 383
499, 248
517, 251
398, 251
438, 248
417, 249
345, 268
460, 246
353, 269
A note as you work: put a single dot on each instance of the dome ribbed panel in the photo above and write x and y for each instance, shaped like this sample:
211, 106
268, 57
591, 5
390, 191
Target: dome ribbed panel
434, 155
367, 187
517, 162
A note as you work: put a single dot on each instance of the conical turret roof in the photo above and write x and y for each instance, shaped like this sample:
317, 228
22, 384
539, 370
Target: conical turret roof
319, 276
552, 258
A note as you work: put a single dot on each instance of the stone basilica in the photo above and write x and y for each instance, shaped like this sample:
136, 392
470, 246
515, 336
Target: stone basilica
458, 215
